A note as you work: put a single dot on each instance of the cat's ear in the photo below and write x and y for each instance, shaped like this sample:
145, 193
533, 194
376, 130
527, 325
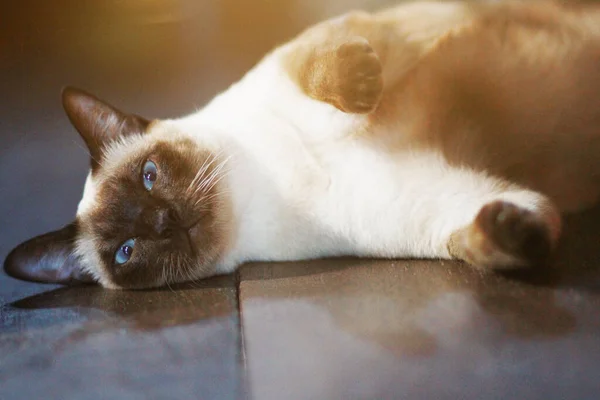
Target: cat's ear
48, 258
98, 122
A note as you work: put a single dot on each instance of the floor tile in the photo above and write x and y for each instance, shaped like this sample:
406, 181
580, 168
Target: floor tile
87, 342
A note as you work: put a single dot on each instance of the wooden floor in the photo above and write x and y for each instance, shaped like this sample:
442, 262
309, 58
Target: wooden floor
329, 329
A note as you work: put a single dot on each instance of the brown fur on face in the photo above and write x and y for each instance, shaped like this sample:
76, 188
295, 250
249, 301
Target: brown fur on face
179, 225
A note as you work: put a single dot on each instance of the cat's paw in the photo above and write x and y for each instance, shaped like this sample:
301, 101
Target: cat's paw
512, 236
358, 76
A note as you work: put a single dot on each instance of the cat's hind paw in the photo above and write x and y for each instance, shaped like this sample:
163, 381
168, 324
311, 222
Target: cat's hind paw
516, 231
511, 236
504, 235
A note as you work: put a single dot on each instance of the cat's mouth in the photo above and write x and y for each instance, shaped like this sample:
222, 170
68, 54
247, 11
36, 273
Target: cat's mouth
192, 235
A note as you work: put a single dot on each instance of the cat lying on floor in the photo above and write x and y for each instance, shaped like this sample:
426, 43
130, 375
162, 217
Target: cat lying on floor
431, 130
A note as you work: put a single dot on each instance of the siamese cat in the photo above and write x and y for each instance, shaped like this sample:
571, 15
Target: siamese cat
429, 130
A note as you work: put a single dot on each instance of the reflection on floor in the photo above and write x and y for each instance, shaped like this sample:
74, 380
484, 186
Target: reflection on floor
327, 329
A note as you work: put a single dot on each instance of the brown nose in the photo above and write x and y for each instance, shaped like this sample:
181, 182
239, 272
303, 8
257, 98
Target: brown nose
160, 221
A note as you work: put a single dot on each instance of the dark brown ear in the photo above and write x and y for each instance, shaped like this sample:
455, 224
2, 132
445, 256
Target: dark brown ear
97, 122
48, 258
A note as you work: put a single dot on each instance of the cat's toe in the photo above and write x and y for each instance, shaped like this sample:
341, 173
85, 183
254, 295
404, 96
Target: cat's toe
359, 76
516, 232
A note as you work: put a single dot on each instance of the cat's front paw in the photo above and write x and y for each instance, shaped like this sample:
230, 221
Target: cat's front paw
512, 236
358, 76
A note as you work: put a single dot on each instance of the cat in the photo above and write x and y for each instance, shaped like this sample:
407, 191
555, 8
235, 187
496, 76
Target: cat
429, 130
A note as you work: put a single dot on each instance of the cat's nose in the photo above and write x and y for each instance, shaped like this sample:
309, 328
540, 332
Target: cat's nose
161, 221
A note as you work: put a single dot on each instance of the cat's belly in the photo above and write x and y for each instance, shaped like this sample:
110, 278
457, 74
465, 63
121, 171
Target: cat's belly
382, 204
354, 201
306, 187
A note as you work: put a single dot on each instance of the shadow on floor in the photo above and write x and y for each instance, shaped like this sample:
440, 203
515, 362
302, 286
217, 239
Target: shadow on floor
146, 310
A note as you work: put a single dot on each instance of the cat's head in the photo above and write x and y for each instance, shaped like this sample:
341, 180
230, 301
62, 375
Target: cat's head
153, 210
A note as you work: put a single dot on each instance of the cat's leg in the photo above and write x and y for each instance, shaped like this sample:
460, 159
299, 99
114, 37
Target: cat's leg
343, 71
346, 61
516, 229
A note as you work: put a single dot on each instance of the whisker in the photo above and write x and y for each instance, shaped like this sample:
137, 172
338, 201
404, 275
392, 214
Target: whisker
209, 177
215, 182
168, 270
201, 170
217, 172
212, 198
192, 277
208, 163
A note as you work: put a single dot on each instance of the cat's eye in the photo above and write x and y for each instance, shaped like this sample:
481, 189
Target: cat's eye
124, 252
149, 174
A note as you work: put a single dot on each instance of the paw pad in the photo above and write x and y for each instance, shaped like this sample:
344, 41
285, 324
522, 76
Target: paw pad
516, 231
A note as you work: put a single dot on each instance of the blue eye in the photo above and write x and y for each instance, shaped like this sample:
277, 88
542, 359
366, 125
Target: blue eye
125, 251
149, 174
